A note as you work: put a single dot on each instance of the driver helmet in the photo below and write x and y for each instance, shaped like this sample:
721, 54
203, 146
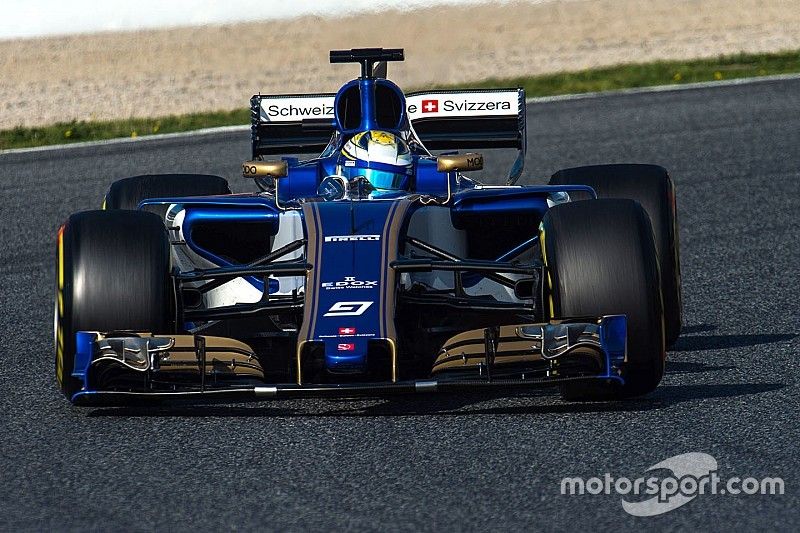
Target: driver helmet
382, 158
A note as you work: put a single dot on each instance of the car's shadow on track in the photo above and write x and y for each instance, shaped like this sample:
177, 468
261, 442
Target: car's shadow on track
695, 343
723, 342
542, 402
461, 405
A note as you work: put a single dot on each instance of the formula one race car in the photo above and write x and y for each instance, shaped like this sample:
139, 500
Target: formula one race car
374, 268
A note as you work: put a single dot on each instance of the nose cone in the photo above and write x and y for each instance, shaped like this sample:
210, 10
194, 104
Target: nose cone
346, 354
346, 297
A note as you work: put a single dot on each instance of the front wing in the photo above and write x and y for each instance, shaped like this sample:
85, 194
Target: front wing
116, 369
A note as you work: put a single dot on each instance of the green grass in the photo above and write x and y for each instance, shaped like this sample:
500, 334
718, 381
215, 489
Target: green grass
656, 73
80, 131
593, 80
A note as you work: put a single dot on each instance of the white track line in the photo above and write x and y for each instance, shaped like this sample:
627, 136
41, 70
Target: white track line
126, 140
535, 100
665, 88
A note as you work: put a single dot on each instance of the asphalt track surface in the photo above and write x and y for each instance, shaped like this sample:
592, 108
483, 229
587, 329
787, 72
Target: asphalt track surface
448, 462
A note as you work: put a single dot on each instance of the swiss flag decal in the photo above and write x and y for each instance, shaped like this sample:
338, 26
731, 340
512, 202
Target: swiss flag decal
430, 106
346, 347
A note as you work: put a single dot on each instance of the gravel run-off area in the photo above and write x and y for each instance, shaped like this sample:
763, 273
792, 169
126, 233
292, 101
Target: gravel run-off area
176, 71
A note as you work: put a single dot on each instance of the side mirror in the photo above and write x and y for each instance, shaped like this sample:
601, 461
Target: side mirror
459, 162
265, 169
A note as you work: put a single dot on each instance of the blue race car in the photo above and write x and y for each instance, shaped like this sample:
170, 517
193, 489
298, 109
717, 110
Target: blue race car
375, 268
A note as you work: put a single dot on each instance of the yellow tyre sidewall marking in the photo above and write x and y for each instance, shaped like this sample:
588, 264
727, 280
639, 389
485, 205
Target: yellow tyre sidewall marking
60, 310
547, 269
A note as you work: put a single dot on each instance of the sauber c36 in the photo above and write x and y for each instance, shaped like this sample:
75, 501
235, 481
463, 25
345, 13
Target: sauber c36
375, 267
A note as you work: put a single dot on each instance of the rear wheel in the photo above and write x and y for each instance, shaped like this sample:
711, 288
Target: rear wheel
651, 186
112, 273
600, 259
127, 193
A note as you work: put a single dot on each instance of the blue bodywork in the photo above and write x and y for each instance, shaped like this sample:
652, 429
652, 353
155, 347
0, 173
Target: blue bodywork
349, 271
352, 241
362, 260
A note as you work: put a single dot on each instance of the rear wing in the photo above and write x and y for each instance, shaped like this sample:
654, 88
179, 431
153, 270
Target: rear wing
291, 123
441, 119
471, 119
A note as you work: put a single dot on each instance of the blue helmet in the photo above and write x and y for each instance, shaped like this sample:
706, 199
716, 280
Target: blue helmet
382, 158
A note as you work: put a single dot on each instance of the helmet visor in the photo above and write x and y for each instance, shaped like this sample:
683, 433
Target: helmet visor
380, 179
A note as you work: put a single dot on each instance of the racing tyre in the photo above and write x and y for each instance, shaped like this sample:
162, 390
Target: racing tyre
651, 186
112, 273
128, 192
600, 259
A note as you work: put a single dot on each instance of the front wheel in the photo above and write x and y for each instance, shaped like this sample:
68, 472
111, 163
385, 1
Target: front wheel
652, 187
112, 273
600, 259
